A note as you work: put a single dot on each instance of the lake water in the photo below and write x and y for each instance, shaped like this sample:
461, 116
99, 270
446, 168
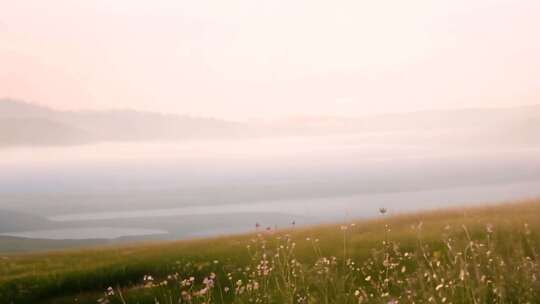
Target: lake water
85, 233
339, 207
318, 210
145, 187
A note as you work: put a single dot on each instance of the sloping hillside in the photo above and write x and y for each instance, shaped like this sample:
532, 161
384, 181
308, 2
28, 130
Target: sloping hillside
59, 277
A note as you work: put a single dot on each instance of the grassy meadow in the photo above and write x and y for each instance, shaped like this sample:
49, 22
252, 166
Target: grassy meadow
474, 255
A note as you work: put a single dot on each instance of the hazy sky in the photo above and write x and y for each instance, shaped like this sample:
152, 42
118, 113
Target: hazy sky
246, 58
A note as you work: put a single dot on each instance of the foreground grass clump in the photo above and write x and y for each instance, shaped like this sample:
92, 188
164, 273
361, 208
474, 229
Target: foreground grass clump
458, 269
480, 255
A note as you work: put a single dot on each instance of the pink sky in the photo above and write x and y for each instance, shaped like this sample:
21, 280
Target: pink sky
239, 59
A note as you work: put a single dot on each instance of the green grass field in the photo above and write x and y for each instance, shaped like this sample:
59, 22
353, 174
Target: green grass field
476, 255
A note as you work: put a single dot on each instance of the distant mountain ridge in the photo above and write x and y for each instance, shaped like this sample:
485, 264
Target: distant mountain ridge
23, 123
17, 108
